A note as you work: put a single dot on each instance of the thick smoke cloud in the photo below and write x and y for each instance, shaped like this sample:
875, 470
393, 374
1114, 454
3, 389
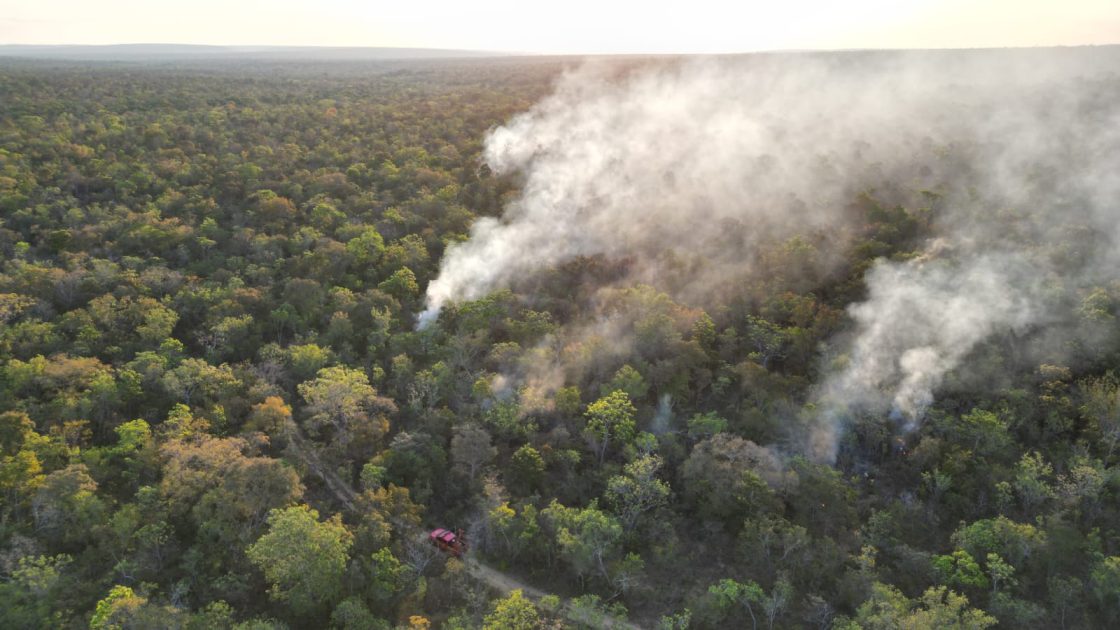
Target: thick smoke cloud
702, 158
706, 160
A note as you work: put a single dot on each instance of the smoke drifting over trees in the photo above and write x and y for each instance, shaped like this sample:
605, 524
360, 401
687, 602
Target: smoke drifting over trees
685, 169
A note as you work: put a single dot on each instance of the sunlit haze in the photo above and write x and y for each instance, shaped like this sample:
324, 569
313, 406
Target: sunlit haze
575, 26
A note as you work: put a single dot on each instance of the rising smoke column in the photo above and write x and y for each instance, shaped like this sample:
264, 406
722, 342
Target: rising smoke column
920, 320
677, 156
1048, 149
661, 158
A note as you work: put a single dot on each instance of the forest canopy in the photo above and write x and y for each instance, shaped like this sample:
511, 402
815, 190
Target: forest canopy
217, 409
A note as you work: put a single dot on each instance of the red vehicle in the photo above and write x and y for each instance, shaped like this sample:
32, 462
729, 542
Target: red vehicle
452, 542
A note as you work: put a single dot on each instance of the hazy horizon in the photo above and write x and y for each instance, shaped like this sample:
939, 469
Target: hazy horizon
579, 28
171, 52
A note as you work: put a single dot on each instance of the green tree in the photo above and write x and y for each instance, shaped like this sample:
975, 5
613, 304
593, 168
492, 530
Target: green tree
120, 598
938, 608
1012, 541
401, 285
1105, 584
1001, 573
195, 380
123, 608
726, 477
1031, 482
1101, 407
366, 248
342, 398
611, 418
305, 360
471, 449
352, 614
705, 425
587, 537
637, 491
960, 569
525, 470
513, 612
590, 611
66, 507
628, 380
731, 593
302, 558
33, 594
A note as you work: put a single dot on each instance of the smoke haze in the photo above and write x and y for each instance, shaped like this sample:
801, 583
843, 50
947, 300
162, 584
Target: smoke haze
687, 168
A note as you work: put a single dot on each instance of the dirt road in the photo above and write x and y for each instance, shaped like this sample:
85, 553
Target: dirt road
500, 581
505, 583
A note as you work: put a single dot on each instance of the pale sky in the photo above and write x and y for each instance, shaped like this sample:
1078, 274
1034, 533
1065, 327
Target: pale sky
569, 26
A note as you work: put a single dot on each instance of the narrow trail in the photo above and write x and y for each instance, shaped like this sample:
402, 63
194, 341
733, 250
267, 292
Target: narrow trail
506, 583
297, 445
503, 582
500, 581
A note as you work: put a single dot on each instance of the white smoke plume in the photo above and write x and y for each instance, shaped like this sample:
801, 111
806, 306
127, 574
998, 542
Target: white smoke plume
1051, 151
919, 321
700, 157
701, 161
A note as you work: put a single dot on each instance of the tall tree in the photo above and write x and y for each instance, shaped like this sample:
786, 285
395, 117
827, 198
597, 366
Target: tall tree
611, 418
302, 558
513, 612
342, 398
471, 449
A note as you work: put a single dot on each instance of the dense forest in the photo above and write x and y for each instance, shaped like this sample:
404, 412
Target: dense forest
217, 409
